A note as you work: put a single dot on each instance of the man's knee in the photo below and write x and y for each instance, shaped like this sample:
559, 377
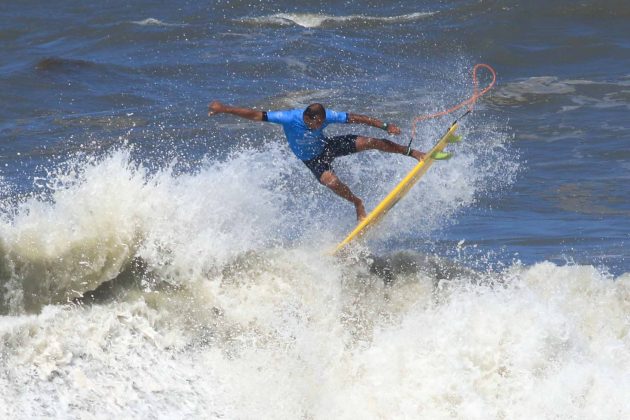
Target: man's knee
362, 143
329, 179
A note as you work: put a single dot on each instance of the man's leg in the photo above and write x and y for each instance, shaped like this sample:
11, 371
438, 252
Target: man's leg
384, 145
329, 179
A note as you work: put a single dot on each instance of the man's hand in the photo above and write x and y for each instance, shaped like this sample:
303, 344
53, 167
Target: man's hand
215, 107
393, 129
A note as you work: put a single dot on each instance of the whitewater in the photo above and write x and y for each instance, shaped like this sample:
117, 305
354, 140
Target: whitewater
156, 263
150, 294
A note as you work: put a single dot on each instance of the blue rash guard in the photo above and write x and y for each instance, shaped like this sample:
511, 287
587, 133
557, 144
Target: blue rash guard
306, 144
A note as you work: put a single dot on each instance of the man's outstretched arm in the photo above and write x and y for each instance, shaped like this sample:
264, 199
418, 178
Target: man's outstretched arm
373, 122
216, 107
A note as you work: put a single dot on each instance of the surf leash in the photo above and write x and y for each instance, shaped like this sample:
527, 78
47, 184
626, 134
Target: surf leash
470, 102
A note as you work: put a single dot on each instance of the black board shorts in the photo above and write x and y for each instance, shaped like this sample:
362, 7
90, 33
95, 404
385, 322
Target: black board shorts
335, 147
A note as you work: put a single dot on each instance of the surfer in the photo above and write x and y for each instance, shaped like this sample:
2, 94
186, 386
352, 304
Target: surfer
304, 132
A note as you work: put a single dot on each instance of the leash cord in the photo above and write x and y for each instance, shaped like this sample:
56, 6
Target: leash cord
470, 102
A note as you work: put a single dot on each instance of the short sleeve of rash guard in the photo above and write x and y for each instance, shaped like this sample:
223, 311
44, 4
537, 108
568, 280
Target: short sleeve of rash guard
279, 117
336, 117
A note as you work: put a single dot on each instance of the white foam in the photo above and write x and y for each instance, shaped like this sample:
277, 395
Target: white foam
265, 326
106, 212
313, 20
293, 334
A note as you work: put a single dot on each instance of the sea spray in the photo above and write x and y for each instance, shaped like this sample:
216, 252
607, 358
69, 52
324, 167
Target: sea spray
94, 216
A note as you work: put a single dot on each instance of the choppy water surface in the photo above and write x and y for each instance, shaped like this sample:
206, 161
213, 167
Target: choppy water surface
499, 288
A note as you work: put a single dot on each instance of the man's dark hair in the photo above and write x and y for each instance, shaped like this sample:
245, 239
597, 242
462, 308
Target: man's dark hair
315, 110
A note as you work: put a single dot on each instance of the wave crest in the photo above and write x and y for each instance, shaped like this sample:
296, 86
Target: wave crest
312, 20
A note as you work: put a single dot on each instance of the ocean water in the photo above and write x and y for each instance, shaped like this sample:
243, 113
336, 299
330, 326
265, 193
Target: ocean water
158, 263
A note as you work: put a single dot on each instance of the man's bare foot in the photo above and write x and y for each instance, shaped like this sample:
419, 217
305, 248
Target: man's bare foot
418, 155
360, 211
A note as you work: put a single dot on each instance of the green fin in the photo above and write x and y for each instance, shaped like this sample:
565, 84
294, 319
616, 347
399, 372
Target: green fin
453, 138
441, 156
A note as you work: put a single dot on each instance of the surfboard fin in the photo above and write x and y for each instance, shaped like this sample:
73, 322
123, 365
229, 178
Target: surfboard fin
453, 138
441, 155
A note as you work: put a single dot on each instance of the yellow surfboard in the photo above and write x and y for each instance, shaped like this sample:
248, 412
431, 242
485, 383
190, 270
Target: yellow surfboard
399, 191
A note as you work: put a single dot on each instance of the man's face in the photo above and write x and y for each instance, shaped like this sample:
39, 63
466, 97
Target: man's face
313, 123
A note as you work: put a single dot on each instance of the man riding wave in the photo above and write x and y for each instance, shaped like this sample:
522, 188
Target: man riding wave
304, 130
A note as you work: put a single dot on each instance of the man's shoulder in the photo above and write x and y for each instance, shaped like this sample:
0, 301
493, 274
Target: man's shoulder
290, 111
284, 115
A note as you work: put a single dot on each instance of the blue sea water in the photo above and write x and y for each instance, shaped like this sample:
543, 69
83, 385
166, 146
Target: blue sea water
111, 170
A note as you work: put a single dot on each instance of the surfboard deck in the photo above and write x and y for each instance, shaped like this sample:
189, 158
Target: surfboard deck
399, 191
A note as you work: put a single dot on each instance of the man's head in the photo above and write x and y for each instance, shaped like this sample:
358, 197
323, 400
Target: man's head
314, 116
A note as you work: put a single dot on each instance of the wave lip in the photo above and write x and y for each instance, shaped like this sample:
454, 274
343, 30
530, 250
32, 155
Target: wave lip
314, 20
